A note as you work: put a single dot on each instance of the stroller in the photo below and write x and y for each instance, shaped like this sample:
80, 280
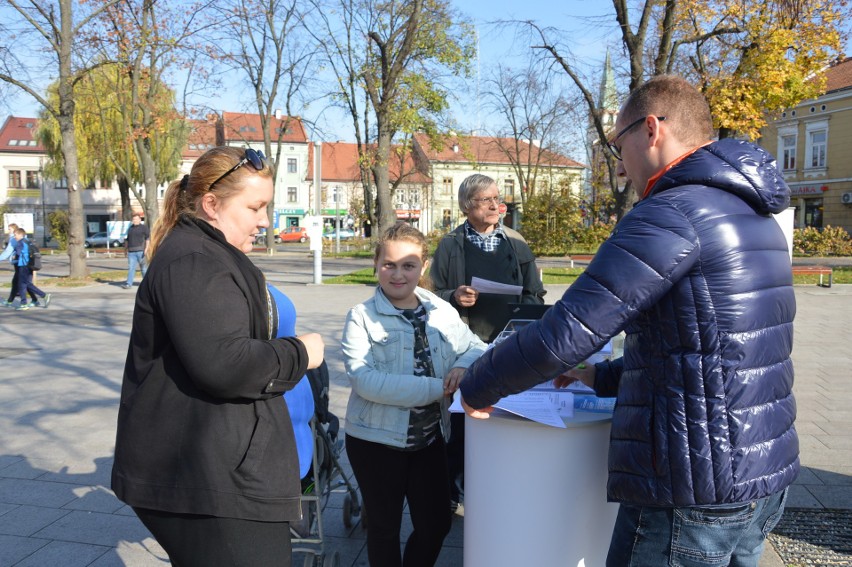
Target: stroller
324, 476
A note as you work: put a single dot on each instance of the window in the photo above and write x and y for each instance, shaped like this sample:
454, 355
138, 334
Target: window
817, 142
509, 189
447, 186
788, 151
61, 183
14, 179
292, 194
291, 165
32, 180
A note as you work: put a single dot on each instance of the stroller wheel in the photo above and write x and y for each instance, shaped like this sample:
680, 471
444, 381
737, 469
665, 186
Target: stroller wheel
332, 560
348, 510
310, 560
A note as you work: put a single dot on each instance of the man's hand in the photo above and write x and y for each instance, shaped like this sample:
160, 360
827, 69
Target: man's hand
484, 413
452, 380
582, 373
465, 296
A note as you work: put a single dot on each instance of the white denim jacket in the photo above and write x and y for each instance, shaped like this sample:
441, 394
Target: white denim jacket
378, 349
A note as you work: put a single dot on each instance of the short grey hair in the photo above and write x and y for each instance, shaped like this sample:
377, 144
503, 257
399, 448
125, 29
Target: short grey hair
470, 187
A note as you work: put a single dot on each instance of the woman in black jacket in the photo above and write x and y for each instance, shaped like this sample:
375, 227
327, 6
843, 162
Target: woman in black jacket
204, 449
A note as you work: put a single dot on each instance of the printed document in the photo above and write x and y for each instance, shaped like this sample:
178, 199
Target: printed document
487, 286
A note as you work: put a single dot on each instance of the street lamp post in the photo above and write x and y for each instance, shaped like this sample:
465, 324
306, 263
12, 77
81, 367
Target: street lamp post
43, 217
337, 216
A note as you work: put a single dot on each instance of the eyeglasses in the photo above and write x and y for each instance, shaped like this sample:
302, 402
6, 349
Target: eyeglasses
616, 151
255, 158
488, 200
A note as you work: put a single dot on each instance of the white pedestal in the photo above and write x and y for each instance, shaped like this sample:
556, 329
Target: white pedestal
536, 495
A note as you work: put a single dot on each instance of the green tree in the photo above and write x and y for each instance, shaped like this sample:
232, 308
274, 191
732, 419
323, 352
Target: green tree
53, 30
398, 54
265, 42
106, 139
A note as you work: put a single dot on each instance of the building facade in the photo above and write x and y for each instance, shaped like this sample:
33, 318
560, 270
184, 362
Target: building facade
811, 143
449, 160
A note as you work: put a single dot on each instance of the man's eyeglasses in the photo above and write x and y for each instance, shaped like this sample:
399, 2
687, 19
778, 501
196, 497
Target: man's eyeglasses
253, 157
488, 200
616, 151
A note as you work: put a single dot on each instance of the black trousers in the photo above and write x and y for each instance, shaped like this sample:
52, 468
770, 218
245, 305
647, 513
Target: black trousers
208, 541
387, 477
13, 293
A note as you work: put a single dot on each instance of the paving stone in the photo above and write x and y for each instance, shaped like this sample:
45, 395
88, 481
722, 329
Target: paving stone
95, 528
34, 492
27, 520
64, 553
14, 549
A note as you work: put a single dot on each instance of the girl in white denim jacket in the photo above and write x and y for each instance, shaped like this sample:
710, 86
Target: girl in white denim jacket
405, 352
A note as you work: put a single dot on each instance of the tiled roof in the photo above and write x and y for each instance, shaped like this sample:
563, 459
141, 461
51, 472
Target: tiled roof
340, 163
246, 128
489, 150
839, 76
202, 137
16, 135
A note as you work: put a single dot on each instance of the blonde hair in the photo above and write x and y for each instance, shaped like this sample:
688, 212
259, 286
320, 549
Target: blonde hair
404, 232
183, 196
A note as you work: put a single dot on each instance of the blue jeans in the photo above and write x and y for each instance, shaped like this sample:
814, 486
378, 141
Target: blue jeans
702, 536
135, 259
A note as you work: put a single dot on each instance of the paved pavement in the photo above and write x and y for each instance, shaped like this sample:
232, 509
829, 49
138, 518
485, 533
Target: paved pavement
60, 379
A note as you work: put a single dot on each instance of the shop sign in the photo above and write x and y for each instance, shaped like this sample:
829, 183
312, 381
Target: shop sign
407, 214
291, 211
808, 190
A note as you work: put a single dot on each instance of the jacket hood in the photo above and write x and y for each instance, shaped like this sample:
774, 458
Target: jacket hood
735, 166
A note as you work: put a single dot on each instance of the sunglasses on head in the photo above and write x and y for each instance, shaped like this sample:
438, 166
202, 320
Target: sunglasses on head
253, 157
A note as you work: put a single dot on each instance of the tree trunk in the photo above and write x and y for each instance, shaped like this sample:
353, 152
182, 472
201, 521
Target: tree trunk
384, 209
124, 192
76, 230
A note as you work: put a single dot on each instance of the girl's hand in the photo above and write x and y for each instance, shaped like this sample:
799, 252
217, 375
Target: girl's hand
452, 380
582, 372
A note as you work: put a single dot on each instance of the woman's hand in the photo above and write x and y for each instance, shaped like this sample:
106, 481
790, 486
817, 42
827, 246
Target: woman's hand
316, 348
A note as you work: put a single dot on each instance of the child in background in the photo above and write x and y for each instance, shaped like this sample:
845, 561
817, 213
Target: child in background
24, 274
405, 351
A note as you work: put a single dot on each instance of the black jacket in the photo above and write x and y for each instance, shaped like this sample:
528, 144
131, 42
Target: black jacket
202, 426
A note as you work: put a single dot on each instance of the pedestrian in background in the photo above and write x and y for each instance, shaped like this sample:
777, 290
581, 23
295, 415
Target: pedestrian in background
405, 350
24, 273
9, 254
205, 452
703, 444
481, 246
136, 244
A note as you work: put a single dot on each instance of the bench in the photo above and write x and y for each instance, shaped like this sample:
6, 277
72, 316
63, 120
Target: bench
815, 270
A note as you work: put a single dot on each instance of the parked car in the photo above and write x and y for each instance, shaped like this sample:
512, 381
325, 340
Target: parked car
293, 234
100, 240
345, 234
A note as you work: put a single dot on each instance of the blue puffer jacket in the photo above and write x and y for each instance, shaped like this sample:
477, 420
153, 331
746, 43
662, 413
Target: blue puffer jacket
698, 276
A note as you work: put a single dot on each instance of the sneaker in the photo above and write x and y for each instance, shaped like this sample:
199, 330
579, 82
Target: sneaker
8, 303
457, 508
46, 300
22, 307
35, 304
125, 286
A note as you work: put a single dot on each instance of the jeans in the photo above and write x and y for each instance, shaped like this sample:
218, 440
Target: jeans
135, 259
25, 284
700, 536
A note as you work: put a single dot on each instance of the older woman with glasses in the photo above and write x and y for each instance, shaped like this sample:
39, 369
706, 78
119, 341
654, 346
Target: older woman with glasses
482, 247
205, 451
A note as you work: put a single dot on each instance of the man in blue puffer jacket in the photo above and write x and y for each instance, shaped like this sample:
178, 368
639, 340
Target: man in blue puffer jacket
703, 445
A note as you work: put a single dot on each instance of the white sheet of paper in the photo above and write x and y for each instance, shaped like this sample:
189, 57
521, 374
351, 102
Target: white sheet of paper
487, 286
536, 406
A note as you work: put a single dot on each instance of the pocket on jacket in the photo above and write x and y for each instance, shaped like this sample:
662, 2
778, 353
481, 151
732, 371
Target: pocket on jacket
257, 446
385, 346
